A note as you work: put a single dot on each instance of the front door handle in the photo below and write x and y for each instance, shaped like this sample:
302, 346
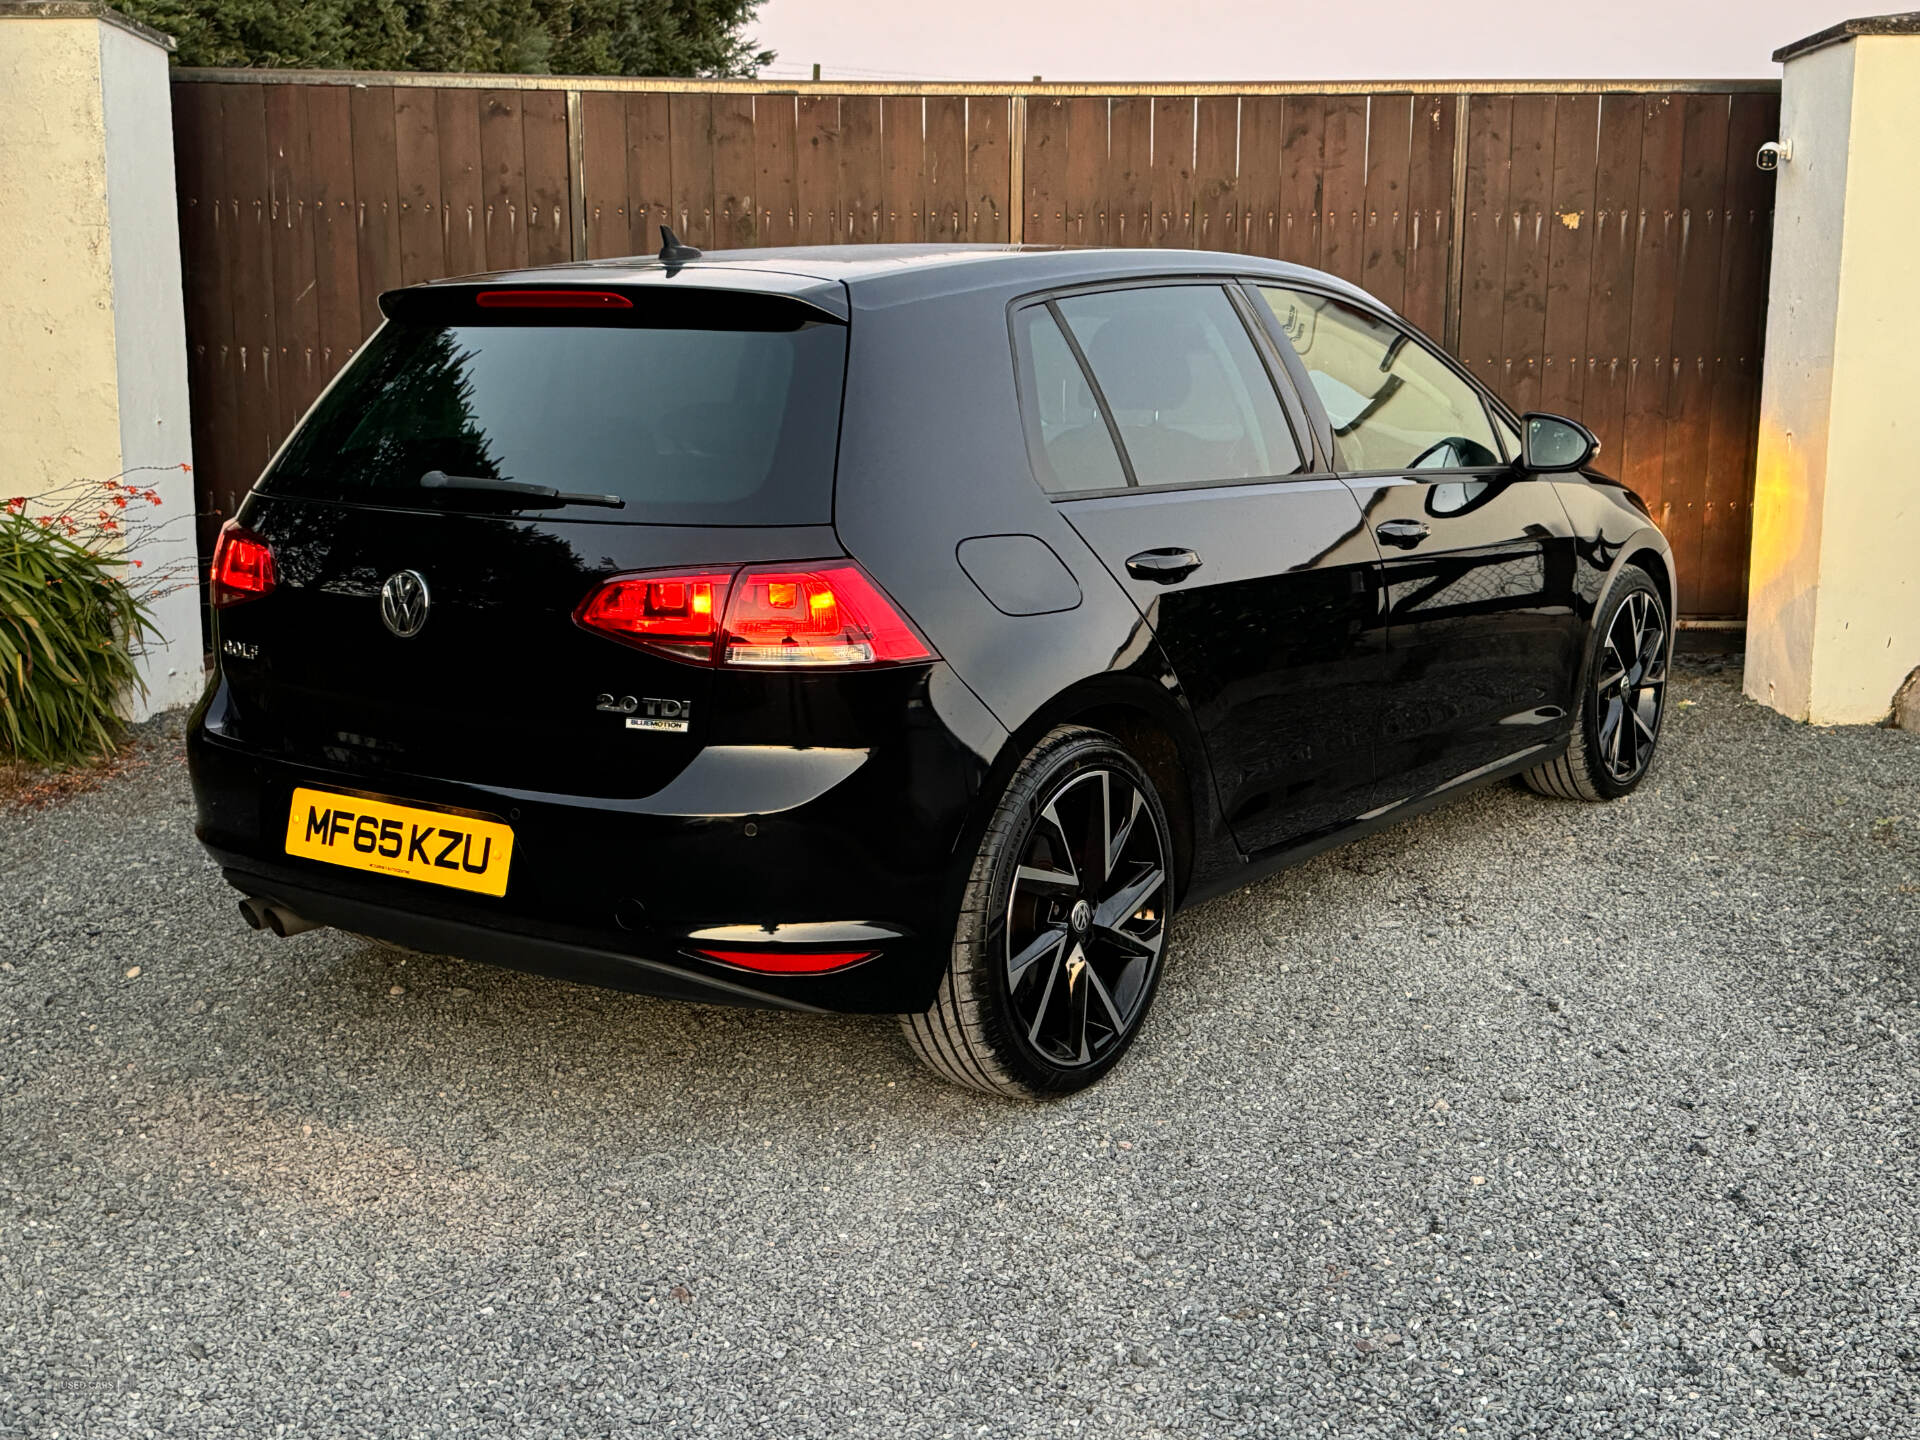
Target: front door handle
1402, 533
1163, 567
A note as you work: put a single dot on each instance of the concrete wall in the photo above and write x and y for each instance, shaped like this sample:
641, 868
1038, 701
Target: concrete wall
1834, 604
1867, 635
149, 338
93, 364
59, 405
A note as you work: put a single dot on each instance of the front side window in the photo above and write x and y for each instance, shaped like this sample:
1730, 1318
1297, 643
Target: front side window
1185, 386
1393, 403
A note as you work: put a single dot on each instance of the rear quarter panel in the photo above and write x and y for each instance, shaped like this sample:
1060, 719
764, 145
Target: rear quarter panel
931, 454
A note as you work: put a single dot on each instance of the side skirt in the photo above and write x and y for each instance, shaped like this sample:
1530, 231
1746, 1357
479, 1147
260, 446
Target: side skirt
1271, 862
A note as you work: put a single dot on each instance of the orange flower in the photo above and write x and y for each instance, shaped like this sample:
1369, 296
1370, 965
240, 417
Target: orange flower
121, 501
16, 505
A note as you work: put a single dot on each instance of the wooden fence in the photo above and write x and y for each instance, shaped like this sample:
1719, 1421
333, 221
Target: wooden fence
1596, 249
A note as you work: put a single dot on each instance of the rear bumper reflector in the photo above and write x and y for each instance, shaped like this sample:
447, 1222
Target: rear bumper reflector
788, 962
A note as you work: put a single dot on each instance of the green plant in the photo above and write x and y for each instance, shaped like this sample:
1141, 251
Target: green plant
544, 37
70, 624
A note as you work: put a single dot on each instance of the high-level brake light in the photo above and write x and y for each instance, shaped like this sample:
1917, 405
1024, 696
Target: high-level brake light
242, 567
552, 300
760, 617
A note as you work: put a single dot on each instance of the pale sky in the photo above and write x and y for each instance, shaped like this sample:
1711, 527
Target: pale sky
1285, 39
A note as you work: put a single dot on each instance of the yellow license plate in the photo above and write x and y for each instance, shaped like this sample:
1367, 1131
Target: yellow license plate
436, 846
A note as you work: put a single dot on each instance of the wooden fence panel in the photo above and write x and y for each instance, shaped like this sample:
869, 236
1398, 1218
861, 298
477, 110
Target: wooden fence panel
1481, 305
1695, 327
1656, 287
603, 163
946, 168
1260, 218
1383, 226
543, 117
1523, 296
649, 173
1431, 220
1601, 251
733, 171
1216, 200
1609, 352
989, 169
1720, 569
775, 138
463, 205
296, 308
1569, 238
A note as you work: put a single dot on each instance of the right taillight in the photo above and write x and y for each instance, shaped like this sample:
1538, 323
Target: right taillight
776, 617
242, 566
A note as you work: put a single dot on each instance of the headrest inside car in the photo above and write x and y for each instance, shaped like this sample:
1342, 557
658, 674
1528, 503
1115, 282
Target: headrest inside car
1144, 362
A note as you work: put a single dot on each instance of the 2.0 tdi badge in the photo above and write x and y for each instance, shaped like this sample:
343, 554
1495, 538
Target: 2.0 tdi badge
670, 716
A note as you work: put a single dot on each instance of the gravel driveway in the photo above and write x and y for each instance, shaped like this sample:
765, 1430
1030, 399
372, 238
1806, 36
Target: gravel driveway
1527, 1118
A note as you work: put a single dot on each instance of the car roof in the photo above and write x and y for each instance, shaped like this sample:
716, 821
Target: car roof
904, 271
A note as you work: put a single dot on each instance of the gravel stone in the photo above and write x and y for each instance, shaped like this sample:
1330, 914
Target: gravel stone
251, 1195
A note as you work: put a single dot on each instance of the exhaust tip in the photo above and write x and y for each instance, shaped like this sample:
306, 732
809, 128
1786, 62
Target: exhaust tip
272, 915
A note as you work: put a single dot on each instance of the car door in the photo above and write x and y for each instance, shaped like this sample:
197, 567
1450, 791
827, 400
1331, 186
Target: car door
1483, 628
1154, 419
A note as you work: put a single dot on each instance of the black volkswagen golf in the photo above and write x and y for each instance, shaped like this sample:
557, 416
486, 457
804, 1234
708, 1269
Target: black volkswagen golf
909, 630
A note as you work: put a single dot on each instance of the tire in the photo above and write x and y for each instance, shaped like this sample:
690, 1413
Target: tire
1616, 728
1057, 948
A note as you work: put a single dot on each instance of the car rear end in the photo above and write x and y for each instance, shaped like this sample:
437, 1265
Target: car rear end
536, 644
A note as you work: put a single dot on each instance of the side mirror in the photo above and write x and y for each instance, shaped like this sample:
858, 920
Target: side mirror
1553, 443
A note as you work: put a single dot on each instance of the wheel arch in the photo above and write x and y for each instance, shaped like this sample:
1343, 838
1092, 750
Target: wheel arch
1657, 562
1154, 726
1646, 550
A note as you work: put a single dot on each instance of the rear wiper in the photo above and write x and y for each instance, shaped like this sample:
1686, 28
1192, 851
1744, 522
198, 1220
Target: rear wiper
525, 496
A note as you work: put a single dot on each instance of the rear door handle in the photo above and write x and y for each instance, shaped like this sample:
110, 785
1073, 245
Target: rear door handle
1163, 567
1402, 533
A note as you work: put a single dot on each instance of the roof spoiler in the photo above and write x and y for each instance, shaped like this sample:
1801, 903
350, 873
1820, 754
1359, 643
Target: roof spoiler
569, 298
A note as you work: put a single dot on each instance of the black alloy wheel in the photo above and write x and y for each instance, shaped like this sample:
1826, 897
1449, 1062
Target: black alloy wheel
1617, 730
1630, 687
1063, 927
1086, 919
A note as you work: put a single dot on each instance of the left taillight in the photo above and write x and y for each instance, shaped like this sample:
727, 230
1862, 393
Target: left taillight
242, 566
762, 617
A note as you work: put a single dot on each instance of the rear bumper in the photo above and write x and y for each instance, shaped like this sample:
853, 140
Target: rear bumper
564, 959
801, 850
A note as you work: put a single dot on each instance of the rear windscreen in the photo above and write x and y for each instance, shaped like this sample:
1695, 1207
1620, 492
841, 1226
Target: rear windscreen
721, 415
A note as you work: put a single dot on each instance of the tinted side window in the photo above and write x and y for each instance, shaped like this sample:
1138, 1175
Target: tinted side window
1394, 404
1071, 446
1186, 387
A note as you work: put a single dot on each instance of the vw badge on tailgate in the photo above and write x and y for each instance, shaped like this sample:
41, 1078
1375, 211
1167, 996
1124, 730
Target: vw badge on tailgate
404, 602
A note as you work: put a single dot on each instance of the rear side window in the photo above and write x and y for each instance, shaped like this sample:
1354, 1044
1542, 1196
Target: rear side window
705, 413
1186, 388
1393, 404
1071, 446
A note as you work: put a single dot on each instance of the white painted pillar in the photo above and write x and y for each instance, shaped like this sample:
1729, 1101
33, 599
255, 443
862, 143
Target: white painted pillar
1833, 624
93, 353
